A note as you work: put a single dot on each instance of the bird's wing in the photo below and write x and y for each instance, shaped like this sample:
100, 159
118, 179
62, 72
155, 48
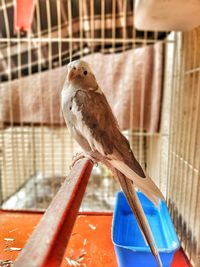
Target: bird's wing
96, 122
95, 113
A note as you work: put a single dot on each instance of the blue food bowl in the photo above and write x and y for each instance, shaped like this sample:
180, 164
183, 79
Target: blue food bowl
130, 247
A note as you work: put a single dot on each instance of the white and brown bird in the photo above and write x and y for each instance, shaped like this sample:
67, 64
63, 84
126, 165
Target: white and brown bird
92, 124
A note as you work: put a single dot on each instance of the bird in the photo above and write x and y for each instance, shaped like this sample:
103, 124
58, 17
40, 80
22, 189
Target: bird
91, 122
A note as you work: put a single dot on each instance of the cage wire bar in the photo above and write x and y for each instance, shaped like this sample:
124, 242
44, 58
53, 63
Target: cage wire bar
184, 151
34, 157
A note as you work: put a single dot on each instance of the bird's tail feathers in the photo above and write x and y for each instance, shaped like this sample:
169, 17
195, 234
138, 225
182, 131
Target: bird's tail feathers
146, 185
134, 202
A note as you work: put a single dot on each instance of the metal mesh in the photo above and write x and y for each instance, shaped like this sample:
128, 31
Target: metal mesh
35, 157
36, 153
184, 150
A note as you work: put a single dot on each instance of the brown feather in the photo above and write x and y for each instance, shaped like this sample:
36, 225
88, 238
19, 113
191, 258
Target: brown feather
98, 117
93, 125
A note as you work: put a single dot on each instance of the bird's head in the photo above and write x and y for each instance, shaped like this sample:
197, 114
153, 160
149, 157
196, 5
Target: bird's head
79, 73
78, 69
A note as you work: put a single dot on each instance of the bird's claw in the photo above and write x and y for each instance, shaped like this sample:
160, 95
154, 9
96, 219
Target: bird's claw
82, 155
76, 158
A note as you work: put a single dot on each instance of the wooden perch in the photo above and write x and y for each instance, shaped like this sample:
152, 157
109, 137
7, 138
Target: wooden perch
48, 242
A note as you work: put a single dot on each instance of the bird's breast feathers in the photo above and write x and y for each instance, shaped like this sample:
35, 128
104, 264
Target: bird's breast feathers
78, 109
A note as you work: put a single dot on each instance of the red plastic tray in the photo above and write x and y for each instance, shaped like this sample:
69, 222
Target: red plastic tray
90, 240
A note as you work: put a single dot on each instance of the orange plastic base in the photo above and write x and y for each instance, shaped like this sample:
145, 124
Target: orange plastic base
90, 243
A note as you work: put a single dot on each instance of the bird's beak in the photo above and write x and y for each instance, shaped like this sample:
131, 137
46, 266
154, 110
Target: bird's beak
71, 74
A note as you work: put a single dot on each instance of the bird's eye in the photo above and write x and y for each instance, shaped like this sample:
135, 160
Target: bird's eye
85, 72
74, 68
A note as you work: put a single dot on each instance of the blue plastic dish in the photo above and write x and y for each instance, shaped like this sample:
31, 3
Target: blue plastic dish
130, 247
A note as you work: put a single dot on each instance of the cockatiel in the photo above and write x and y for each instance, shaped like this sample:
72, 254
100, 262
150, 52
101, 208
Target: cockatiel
92, 124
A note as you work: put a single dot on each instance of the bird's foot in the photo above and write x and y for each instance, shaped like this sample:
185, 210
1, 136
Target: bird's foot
76, 158
79, 156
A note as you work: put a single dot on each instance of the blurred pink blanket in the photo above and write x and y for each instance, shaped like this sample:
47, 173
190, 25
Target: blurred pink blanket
132, 82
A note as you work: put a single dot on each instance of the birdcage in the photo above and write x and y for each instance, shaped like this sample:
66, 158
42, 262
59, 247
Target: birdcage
150, 78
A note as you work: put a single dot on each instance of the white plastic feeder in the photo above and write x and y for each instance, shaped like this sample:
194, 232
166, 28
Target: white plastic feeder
167, 15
